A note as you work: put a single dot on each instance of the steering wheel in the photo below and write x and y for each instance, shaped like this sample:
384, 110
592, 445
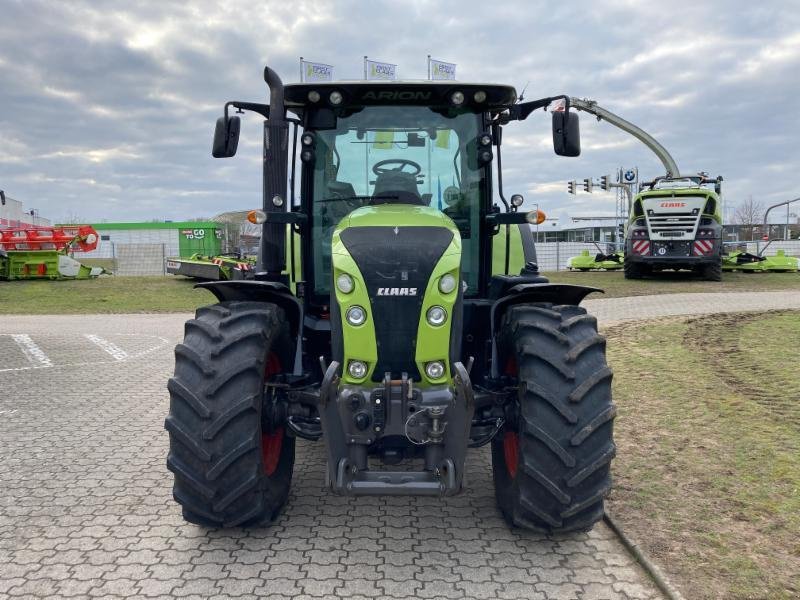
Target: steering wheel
379, 168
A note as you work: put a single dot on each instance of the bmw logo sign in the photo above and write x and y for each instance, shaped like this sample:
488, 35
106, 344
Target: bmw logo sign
630, 175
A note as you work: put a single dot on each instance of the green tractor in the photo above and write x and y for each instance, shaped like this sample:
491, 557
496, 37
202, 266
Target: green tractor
676, 223
396, 313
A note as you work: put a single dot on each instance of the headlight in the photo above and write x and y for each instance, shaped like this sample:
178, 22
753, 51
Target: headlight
457, 98
345, 283
436, 315
356, 315
447, 283
335, 98
479, 96
434, 370
357, 369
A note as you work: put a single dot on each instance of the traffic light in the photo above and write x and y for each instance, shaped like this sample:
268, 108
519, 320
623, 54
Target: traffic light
604, 183
587, 185
571, 185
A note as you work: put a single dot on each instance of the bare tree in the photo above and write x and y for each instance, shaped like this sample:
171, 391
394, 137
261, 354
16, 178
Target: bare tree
749, 212
73, 218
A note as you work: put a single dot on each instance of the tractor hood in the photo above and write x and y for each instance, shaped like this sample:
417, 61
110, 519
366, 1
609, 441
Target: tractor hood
395, 256
402, 215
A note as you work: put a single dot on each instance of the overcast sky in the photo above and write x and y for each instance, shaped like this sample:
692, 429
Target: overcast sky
107, 109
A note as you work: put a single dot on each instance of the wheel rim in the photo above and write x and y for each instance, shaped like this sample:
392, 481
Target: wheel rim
510, 438
271, 443
511, 452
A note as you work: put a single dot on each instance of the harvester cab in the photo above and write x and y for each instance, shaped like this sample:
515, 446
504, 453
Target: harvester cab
676, 223
395, 312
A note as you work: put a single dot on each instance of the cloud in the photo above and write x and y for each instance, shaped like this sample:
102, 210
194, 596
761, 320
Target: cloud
109, 107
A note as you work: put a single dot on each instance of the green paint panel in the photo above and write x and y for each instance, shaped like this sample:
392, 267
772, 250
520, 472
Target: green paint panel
31, 264
516, 254
198, 240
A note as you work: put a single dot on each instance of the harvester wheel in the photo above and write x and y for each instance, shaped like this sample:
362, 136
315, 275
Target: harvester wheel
634, 270
712, 271
552, 467
231, 467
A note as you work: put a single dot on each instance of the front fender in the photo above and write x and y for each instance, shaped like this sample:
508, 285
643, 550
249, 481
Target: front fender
557, 293
265, 291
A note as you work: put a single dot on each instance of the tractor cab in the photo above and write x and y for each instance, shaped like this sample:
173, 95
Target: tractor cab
426, 146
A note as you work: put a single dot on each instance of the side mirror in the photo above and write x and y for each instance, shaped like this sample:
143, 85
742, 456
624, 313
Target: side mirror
226, 137
566, 134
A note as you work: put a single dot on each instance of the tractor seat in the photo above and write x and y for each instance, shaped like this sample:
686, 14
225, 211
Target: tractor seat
399, 184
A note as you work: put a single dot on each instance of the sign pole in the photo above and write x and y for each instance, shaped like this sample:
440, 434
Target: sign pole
365, 67
302, 79
429, 67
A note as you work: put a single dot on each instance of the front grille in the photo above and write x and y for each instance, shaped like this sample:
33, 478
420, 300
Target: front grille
672, 225
394, 261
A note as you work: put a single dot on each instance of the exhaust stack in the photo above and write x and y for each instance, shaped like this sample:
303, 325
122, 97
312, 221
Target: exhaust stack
272, 251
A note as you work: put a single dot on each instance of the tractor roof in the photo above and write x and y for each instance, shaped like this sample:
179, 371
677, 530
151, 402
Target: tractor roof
407, 92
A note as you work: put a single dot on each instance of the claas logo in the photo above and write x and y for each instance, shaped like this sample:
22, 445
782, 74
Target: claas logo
672, 204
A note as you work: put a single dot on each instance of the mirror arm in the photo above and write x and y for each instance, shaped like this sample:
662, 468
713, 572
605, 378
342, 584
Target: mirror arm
261, 109
520, 112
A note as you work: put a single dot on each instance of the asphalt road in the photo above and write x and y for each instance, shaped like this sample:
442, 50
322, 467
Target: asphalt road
86, 507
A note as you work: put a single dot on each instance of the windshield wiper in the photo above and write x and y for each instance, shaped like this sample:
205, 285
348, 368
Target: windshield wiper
367, 198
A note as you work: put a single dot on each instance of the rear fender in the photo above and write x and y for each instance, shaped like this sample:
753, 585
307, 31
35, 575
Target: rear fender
265, 291
525, 293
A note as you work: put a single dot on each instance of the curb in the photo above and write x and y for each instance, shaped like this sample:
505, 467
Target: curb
650, 567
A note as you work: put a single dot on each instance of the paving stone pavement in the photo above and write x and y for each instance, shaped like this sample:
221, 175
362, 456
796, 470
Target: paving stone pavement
86, 508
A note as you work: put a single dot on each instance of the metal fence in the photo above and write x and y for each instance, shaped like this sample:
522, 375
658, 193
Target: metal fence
553, 256
150, 259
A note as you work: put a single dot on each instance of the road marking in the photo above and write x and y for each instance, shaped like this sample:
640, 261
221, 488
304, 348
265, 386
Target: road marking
7, 412
104, 344
32, 352
160, 343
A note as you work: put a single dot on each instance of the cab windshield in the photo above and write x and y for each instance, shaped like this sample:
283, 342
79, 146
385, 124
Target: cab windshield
398, 154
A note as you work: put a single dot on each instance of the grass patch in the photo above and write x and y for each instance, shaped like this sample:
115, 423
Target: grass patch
102, 295
707, 477
116, 294
615, 284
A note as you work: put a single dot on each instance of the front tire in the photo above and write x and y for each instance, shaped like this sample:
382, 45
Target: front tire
231, 467
551, 464
712, 271
634, 270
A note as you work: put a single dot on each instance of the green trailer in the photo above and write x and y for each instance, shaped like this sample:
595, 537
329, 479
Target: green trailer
43, 264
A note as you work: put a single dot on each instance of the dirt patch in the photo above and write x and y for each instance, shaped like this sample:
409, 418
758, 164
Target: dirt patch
707, 477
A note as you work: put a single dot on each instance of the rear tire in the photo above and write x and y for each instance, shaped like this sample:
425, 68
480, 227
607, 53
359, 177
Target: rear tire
230, 470
634, 270
552, 467
712, 271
